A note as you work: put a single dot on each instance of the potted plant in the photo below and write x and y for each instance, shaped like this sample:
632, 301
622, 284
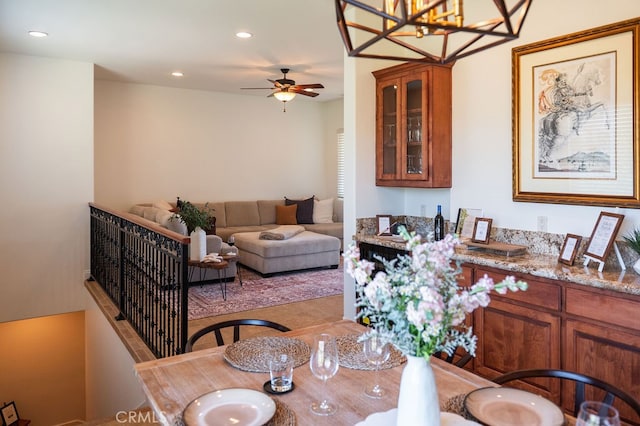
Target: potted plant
633, 241
197, 222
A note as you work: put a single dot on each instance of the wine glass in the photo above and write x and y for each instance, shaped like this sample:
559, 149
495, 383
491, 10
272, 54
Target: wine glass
594, 413
231, 241
376, 350
324, 365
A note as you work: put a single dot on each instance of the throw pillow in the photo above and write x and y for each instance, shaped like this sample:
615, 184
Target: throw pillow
323, 211
305, 209
163, 205
286, 215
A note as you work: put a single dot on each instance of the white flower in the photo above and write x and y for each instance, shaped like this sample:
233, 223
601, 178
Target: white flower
416, 303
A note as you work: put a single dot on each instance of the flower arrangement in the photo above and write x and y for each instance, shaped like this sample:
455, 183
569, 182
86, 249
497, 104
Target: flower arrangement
417, 304
193, 217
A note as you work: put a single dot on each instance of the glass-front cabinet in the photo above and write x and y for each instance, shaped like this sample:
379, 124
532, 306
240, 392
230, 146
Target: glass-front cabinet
413, 126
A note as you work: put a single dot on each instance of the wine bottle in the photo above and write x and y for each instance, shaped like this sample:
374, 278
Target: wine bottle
438, 225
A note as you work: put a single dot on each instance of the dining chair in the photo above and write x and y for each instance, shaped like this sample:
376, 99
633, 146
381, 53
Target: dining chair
580, 381
461, 362
236, 324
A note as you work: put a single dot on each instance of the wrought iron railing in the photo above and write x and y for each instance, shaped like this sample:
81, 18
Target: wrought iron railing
144, 271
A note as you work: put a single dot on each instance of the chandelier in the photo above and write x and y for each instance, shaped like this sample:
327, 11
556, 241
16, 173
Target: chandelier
433, 31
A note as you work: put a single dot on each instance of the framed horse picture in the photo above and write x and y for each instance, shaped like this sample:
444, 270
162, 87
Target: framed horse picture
574, 109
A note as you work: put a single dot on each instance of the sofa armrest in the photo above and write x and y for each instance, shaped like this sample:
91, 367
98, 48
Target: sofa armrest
227, 249
214, 244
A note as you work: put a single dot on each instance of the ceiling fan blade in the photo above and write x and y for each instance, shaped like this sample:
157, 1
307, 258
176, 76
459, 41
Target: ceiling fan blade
309, 86
275, 83
256, 88
303, 92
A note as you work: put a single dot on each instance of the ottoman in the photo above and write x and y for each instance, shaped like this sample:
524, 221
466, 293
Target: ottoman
302, 251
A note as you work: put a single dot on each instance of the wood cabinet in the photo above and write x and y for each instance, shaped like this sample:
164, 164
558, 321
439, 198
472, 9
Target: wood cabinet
520, 330
555, 324
602, 339
413, 126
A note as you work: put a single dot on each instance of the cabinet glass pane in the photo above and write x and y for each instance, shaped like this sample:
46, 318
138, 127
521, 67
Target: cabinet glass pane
414, 128
389, 129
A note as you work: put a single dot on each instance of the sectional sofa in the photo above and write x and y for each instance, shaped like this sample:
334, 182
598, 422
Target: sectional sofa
318, 246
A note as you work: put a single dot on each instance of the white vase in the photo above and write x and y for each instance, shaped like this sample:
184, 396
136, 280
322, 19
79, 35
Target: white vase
636, 266
418, 400
198, 246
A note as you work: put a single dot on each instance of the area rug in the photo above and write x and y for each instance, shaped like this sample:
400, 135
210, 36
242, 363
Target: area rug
257, 292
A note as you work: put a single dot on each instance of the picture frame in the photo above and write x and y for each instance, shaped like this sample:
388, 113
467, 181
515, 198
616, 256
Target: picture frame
466, 221
603, 235
482, 230
384, 224
569, 249
9, 414
574, 106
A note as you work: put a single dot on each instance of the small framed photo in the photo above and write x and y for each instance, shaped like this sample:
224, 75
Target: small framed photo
384, 224
9, 414
569, 249
603, 235
482, 230
466, 221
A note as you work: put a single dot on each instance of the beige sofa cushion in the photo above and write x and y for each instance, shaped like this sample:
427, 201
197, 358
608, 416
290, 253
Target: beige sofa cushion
267, 210
150, 213
138, 210
242, 213
220, 214
323, 211
163, 217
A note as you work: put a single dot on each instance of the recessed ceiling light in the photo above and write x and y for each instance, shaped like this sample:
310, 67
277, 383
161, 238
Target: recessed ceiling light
37, 34
244, 34
177, 74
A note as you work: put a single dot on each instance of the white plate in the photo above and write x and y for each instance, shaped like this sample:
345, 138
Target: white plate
238, 407
508, 406
388, 418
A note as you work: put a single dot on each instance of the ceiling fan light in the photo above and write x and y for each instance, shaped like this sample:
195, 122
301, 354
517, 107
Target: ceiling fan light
284, 96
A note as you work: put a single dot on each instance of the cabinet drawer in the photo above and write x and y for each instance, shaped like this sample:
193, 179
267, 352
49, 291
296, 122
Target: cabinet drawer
603, 307
539, 293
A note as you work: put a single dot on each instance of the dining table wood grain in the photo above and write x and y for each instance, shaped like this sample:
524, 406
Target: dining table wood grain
170, 384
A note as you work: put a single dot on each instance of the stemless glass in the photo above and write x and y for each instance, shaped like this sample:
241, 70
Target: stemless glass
324, 365
594, 413
376, 350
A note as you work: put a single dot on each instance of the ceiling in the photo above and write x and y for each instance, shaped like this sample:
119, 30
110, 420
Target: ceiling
143, 41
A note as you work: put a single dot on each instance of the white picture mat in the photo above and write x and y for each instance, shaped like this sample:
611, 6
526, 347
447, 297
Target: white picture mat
466, 221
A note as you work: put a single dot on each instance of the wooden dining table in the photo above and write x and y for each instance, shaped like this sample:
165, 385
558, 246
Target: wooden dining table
170, 384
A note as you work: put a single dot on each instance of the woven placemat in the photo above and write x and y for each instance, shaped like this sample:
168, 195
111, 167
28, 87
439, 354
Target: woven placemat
351, 355
455, 405
284, 416
253, 354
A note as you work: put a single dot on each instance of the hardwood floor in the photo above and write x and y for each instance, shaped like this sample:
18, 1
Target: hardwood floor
292, 315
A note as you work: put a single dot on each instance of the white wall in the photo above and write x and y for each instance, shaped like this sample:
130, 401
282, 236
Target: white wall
481, 135
481, 131
111, 381
156, 142
482, 138
46, 181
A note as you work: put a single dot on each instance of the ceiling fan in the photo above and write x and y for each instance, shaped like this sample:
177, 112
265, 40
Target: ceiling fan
285, 89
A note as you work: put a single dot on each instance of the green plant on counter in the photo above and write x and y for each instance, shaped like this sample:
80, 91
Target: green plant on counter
193, 217
633, 240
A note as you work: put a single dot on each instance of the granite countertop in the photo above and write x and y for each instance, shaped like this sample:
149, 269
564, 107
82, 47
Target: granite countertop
539, 265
